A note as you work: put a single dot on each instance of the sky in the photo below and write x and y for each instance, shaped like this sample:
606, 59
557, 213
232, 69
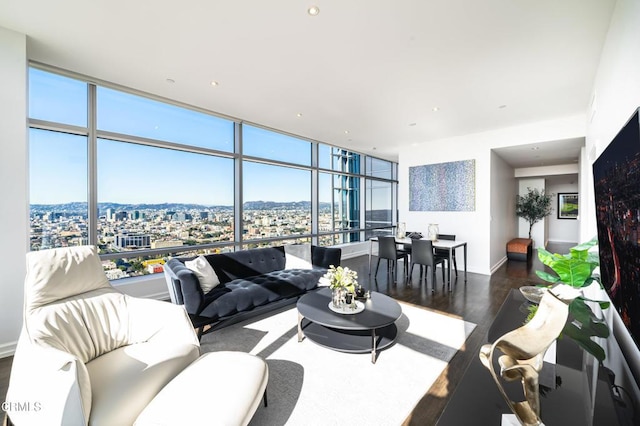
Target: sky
130, 173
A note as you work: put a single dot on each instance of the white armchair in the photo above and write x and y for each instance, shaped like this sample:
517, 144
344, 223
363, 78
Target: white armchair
87, 353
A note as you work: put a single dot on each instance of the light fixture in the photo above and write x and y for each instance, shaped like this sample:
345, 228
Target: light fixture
535, 148
346, 132
313, 10
412, 124
214, 83
435, 109
299, 115
170, 81
502, 106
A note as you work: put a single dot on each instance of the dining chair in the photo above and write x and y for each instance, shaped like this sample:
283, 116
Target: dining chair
388, 249
422, 254
445, 253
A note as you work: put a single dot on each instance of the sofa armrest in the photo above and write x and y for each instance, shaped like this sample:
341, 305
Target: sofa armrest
157, 321
183, 286
325, 256
47, 386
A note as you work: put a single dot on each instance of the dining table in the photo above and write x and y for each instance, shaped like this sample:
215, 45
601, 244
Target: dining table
449, 245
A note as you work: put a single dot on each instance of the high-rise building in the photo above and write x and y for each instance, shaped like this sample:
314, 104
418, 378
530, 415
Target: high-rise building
133, 241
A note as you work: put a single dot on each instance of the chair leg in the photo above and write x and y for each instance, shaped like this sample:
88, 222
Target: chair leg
377, 266
264, 398
433, 279
455, 266
199, 332
443, 272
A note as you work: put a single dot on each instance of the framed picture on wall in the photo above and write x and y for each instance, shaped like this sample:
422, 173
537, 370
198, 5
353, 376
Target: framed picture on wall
568, 205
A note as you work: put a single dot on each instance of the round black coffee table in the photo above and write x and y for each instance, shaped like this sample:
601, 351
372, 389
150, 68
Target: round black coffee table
368, 331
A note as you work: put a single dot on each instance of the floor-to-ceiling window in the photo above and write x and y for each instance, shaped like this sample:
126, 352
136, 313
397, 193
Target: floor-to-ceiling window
142, 179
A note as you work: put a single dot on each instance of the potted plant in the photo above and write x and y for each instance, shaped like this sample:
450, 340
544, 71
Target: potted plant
533, 207
341, 281
576, 270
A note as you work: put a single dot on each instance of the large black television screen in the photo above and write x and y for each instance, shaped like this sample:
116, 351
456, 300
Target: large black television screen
616, 176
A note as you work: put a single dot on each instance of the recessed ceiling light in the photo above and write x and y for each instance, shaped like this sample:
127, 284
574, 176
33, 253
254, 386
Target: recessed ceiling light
346, 132
374, 148
412, 124
502, 106
313, 10
535, 148
299, 115
435, 109
170, 81
214, 83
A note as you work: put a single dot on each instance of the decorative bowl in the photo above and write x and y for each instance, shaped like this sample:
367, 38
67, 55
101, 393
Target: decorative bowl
532, 293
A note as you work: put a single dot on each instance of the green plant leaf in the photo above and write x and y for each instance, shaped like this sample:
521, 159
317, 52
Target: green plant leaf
548, 277
576, 269
590, 324
576, 334
573, 269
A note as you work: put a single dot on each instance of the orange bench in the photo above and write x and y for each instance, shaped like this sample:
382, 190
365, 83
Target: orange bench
519, 249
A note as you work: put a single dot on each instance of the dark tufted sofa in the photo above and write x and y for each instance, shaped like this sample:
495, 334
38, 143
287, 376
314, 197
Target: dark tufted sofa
251, 282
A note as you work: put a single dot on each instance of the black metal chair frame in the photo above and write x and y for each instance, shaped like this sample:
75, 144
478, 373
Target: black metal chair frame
388, 249
445, 252
422, 254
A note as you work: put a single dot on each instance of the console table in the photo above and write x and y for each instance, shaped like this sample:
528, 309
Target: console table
477, 401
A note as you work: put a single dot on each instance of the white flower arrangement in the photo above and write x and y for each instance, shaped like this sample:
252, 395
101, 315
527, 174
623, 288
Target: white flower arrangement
339, 277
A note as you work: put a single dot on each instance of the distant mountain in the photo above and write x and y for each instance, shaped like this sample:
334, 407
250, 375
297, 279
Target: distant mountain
81, 207
287, 205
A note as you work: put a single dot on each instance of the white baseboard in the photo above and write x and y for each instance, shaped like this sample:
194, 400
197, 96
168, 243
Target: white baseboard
8, 349
498, 265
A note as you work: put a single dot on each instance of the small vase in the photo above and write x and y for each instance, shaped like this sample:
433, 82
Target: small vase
337, 297
433, 231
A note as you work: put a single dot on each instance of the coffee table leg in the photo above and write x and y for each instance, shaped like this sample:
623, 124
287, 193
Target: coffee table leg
373, 346
300, 327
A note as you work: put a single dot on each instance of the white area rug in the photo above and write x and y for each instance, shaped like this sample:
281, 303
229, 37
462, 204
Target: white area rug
312, 385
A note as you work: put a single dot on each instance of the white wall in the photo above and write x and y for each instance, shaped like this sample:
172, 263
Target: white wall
503, 209
563, 230
14, 211
616, 95
474, 227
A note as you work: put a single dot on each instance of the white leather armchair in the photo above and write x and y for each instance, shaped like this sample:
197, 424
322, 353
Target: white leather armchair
87, 353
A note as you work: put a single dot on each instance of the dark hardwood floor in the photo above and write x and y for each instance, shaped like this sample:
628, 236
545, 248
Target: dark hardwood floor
477, 301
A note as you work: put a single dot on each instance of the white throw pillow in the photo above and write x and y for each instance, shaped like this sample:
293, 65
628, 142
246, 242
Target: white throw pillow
297, 256
205, 273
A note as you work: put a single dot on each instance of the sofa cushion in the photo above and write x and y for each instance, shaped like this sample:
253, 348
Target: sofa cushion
298, 256
207, 277
244, 294
124, 381
247, 263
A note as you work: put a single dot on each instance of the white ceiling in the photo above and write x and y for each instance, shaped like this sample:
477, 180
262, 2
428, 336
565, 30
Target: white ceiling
374, 68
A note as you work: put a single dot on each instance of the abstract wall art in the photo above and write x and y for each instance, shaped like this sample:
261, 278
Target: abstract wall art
443, 187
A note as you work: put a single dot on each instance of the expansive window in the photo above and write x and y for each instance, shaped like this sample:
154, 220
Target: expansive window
277, 201
129, 114
55, 98
148, 179
57, 189
262, 143
144, 206
379, 206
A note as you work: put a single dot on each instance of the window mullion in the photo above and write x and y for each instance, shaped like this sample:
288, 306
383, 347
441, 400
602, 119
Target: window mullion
92, 166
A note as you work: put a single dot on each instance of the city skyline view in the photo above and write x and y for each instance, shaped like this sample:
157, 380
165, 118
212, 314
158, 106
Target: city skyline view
164, 179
